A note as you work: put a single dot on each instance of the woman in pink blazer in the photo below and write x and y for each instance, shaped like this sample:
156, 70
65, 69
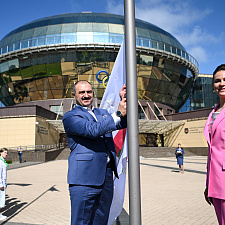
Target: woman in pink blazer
214, 132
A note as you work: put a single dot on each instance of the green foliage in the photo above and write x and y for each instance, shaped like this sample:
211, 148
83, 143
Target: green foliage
9, 161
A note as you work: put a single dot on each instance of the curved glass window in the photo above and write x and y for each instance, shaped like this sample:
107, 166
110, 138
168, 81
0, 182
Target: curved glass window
89, 28
52, 75
94, 37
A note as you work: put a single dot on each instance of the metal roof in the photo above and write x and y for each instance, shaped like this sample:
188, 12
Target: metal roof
57, 124
145, 126
158, 126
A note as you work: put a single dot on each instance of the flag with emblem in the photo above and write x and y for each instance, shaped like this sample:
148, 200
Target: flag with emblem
110, 101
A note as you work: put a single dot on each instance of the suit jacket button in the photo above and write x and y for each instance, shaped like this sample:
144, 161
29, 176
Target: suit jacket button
106, 155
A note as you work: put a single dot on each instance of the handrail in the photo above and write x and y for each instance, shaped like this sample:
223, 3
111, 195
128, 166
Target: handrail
37, 147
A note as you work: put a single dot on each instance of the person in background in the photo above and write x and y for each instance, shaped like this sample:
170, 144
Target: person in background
214, 132
3, 175
180, 157
92, 160
20, 153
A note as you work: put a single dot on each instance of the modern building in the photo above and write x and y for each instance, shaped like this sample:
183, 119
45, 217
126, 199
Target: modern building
41, 60
202, 94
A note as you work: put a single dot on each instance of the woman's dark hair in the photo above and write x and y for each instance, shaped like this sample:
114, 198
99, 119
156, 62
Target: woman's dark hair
219, 68
3, 149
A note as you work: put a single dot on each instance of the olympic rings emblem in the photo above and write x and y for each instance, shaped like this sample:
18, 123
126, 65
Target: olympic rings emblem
105, 79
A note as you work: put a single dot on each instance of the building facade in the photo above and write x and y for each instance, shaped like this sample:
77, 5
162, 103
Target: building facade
43, 59
202, 94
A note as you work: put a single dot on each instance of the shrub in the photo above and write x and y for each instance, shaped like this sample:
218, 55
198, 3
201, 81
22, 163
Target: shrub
9, 161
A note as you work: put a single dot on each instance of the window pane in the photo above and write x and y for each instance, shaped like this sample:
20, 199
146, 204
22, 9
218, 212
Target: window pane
100, 27
146, 43
50, 40
24, 44
69, 28
174, 50
154, 44
54, 29
68, 39
84, 27
41, 41
10, 48
161, 46
167, 48
17, 45
33, 42
17, 37
116, 28
138, 41
99, 19
173, 42
27, 34
40, 31
84, 37
155, 36
165, 38
4, 50
104, 38
57, 39
143, 33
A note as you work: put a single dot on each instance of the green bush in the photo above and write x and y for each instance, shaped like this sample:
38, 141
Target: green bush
9, 161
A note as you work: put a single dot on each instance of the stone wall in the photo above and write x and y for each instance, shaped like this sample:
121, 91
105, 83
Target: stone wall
160, 152
63, 154
37, 156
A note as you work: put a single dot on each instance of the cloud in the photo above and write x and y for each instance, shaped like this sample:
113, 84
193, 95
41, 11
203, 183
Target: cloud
115, 7
170, 15
183, 19
199, 36
176, 17
199, 53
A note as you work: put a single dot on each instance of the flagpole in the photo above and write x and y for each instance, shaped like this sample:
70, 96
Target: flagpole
132, 115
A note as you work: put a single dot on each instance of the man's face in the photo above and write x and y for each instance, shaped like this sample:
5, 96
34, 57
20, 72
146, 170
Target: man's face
4, 154
84, 94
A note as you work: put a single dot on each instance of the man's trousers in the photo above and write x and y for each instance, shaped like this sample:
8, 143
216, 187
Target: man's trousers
91, 204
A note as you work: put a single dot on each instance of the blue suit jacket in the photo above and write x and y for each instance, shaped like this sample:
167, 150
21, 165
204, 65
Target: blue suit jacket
89, 140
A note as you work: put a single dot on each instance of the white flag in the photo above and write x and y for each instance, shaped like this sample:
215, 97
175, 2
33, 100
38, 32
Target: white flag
110, 101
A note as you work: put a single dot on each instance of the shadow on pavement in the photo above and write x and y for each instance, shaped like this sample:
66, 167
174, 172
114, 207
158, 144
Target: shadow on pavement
13, 205
18, 184
173, 168
14, 208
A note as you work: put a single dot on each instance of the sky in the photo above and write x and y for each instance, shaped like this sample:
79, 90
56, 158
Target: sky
197, 24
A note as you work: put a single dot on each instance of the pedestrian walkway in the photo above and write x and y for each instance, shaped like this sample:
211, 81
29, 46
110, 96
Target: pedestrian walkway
38, 193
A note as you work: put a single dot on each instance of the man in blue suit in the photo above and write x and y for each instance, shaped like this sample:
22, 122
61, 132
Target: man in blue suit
93, 156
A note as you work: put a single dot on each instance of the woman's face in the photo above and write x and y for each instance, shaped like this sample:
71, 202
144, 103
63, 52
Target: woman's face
4, 154
219, 83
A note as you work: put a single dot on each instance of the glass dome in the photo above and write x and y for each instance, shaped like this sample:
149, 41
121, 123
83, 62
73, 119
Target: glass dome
89, 28
42, 60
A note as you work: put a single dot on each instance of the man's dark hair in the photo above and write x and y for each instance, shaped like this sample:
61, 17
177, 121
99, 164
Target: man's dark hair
219, 68
80, 81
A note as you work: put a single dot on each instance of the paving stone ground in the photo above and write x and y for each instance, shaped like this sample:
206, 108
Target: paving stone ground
38, 193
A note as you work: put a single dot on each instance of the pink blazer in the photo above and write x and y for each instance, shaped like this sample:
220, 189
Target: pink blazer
216, 156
